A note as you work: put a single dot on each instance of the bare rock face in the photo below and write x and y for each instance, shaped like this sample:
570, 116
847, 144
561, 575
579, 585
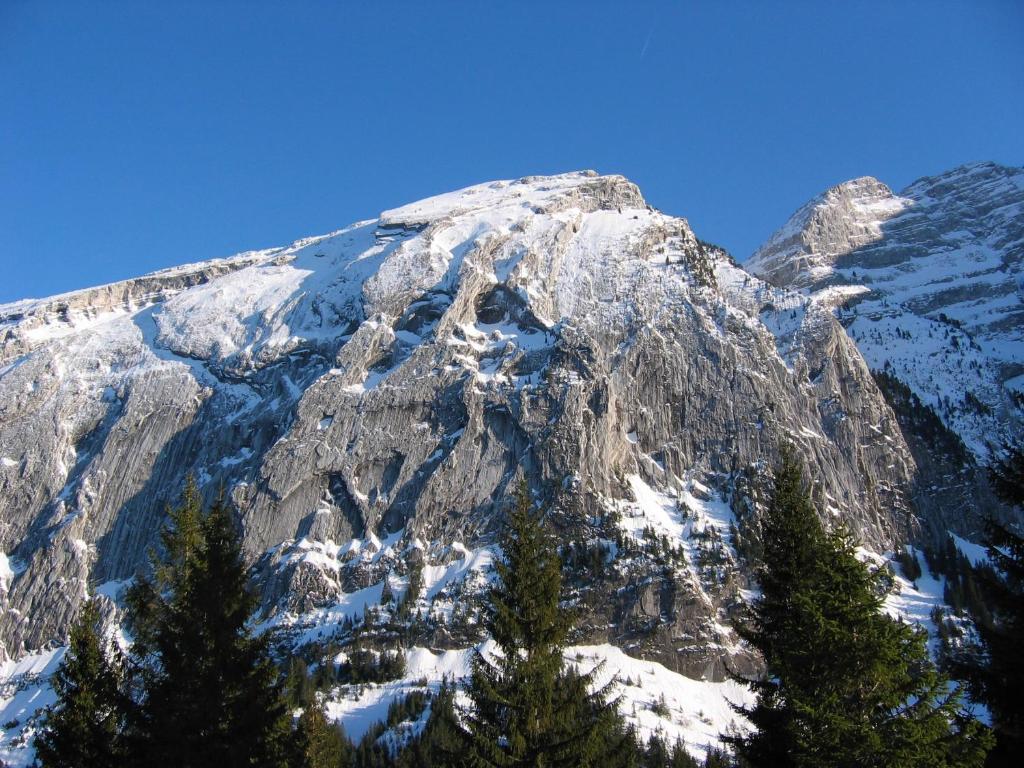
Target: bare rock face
370, 398
846, 217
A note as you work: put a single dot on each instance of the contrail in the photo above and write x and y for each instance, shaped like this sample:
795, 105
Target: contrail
647, 42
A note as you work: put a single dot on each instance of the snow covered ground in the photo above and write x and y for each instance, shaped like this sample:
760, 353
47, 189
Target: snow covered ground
24, 692
652, 698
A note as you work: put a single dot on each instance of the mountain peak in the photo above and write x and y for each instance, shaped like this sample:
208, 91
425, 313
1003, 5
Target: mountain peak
528, 192
392, 380
366, 269
370, 398
845, 216
942, 261
969, 184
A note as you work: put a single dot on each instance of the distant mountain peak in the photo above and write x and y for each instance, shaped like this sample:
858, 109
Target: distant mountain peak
943, 256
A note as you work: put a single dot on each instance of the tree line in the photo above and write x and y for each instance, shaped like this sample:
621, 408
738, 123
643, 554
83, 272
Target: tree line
845, 684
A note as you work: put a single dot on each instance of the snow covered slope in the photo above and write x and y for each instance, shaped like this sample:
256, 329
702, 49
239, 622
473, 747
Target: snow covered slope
930, 284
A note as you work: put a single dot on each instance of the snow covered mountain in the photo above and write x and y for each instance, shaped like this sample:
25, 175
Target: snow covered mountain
370, 398
930, 283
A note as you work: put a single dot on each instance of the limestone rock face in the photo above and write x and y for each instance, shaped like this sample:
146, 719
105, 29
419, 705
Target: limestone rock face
845, 218
370, 398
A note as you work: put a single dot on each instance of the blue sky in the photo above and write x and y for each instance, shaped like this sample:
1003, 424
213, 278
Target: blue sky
135, 135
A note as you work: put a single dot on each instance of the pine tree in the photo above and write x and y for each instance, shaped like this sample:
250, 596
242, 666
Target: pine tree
717, 758
320, 743
997, 675
846, 685
527, 708
298, 685
997, 682
657, 754
1007, 476
201, 667
83, 728
791, 545
442, 743
680, 758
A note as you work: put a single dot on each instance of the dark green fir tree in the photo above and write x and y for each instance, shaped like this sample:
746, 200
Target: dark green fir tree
442, 744
997, 671
209, 690
299, 687
718, 758
846, 685
83, 728
319, 743
680, 758
997, 680
528, 709
1007, 475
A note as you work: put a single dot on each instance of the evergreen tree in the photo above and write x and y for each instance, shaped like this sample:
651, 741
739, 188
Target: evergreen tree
320, 743
996, 677
527, 708
1007, 476
298, 685
442, 742
83, 728
997, 680
717, 758
210, 695
680, 758
846, 685
656, 755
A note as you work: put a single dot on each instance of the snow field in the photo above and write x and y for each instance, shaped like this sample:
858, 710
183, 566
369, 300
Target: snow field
651, 697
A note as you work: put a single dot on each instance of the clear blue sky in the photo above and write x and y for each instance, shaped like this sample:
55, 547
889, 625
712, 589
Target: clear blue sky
136, 135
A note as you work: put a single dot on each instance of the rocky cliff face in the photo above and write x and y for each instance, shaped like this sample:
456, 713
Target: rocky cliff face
369, 399
929, 282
